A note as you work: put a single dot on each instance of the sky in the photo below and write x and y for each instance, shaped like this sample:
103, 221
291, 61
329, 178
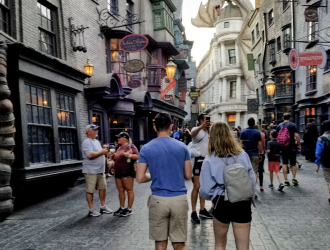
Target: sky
200, 36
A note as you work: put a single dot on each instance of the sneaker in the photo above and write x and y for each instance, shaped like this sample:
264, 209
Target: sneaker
300, 166
126, 212
271, 186
280, 187
211, 210
194, 218
105, 210
118, 212
205, 214
286, 183
295, 182
94, 213
261, 189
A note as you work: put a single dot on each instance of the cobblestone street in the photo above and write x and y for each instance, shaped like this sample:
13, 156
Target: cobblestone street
298, 218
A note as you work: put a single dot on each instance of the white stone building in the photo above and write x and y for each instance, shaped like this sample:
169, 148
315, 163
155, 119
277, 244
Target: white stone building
223, 85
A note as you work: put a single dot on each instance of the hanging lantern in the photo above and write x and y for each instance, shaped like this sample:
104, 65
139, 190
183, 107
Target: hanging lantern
89, 68
203, 105
270, 86
170, 70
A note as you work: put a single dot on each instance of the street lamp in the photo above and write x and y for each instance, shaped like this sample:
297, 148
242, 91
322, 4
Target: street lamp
270, 86
203, 105
89, 68
170, 69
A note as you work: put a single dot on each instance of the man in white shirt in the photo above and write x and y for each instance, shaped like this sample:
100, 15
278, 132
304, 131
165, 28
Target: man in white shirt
200, 136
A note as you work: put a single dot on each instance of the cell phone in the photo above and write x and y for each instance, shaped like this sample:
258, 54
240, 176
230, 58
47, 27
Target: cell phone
208, 119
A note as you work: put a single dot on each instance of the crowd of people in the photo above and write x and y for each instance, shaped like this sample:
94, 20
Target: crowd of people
214, 157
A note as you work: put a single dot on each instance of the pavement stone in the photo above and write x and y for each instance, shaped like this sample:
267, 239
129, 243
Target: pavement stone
298, 218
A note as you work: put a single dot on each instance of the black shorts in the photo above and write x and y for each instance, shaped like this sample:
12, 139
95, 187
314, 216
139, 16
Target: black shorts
289, 155
124, 176
226, 212
198, 166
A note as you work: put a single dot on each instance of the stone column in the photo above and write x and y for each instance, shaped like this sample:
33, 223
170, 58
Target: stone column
220, 90
224, 89
238, 89
238, 119
237, 53
223, 117
223, 54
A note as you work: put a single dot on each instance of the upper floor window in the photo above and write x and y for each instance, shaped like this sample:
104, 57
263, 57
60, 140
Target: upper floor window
260, 63
257, 30
226, 24
129, 10
4, 16
232, 56
113, 7
270, 17
158, 20
47, 35
117, 60
287, 38
252, 34
285, 4
272, 52
263, 36
311, 78
327, 66
279, 47
312, 31
233, 89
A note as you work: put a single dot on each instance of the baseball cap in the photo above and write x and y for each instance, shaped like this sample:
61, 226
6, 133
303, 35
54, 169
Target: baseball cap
123, 135
91, 127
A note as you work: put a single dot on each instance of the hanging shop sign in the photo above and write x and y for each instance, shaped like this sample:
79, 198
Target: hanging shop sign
133, 43
294, 59
134, 83
134, 66
252, 106
167, 89
182, 84
194, 94
311, 15
168, 98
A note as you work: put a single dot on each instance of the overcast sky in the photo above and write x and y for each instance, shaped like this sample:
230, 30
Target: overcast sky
200, 36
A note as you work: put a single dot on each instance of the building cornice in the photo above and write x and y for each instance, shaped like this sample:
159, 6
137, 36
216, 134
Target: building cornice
168, 2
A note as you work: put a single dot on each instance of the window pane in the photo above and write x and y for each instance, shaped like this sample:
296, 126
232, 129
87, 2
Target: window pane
34, 95
41, 115
29, 113
35, 114
47, 116
71, 108
41, 135
66, 99
31, 153
36, 154
42, 153
62, 101
45, 98
27, 94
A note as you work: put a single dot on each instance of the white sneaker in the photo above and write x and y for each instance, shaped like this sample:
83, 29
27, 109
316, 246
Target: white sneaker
105, 210
94, 213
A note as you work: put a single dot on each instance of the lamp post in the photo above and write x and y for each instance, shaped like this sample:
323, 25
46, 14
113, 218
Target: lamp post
89, 68
170, 69
270, 86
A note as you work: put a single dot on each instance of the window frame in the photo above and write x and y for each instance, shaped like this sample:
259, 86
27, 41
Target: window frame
285, 4
287, 38
252, 37
5, 9
113, 7
312, 30
272, 53
226, 25
232, 57
257, 30
233, 89
130, 13
270, 17
327, 65
311, 78
279, 44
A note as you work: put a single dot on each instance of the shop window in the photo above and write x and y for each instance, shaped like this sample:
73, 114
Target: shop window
233, 89
119, 123
279, 45
252, 35
113, 7
257, 30
270, 17
232, 56
272, 57
118, 59
47, 34
67, 129
38, 112
4, 16
226, 24
231, 120
285, 4
302, 116
312, 31
98, 121
327, 66
311, 78
281, 111
270, 117
287, 38
284, 87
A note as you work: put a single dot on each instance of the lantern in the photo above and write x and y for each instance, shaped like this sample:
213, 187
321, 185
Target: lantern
89, 68
203, 105
270, 86
170, 70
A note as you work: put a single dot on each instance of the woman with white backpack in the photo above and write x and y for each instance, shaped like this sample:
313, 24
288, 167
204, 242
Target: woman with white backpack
227, 178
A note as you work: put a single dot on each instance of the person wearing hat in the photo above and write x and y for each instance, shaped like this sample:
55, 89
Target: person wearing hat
93, 169
125, 158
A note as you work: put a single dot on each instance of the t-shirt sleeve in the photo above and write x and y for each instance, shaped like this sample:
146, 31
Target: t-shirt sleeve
142, 155
198, 137
269, 146
187, 154
135, 150
87, 147
294, 128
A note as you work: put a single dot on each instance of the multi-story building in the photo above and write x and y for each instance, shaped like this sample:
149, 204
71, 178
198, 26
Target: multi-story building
271, 29
313, 94
49, 43
220, 77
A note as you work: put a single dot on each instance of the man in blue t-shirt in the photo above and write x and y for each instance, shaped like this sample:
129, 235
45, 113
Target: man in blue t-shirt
169, 164
251, 141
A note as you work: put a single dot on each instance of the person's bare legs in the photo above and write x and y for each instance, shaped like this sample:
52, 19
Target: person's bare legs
242, 235
195, 194
271, 177
161, 245
220, 234
89, 198
128, 184
294, 171
102, 194
121, 192
179, 246
285, 171
279, 177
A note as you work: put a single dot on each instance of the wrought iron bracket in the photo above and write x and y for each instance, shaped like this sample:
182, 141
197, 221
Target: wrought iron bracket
111, 19
74, 32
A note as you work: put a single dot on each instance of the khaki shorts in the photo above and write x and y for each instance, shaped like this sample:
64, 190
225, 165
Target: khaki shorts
168, 218
255, 163
95, 181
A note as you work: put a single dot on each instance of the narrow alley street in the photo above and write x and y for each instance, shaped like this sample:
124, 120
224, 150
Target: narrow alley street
298, 218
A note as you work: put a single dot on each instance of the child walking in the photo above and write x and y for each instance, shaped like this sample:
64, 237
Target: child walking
274, 159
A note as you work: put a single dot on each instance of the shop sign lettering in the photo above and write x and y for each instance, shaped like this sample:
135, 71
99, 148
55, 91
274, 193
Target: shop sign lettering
133, 43
308, 58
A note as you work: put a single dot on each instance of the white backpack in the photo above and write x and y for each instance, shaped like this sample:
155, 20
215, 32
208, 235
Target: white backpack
238, 184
